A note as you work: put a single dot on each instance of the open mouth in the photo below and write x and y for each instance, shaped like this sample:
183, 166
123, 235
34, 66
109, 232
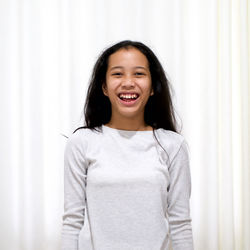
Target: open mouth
128, 97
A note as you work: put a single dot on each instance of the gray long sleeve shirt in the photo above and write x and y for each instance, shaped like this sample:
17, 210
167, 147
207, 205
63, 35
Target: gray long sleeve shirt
123, 192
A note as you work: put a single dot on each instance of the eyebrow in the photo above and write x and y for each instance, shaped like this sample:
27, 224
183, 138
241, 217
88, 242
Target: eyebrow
120, 67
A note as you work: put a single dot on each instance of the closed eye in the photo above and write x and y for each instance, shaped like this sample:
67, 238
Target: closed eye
139, 73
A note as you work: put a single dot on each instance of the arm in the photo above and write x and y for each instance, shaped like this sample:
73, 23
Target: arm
75, 173
178, 200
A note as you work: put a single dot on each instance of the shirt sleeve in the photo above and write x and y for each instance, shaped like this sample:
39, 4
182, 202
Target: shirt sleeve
75, 174
178, 200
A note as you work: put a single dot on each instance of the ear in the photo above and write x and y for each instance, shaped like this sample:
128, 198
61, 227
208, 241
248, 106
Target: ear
104, 89
152, 92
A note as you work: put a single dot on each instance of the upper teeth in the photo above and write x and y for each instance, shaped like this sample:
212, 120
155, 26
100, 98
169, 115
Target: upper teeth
128, 95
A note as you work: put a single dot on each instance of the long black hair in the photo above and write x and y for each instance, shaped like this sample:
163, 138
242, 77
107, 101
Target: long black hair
159, 111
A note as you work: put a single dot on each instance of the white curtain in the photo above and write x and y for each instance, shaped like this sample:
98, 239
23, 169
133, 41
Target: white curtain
47, 51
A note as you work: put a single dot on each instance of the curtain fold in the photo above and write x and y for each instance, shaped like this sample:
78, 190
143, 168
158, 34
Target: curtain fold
47, 52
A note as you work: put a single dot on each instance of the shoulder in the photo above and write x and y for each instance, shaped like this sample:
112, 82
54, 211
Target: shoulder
171, 138
80, 139
171, 141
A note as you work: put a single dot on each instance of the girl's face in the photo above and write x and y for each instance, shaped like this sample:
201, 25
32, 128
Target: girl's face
128, 83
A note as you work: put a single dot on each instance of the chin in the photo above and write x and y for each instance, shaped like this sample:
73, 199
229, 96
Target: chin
131, 114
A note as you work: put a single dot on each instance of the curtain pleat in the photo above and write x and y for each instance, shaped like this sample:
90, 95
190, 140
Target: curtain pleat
47, 51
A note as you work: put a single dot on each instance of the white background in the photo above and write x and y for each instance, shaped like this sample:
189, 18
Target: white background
47, 51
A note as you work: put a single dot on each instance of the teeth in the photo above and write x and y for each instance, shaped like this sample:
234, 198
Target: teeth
128, 96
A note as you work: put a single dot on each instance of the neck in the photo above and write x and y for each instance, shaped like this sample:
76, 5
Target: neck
125, 123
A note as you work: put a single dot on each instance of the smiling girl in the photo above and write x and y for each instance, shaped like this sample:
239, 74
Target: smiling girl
127, 179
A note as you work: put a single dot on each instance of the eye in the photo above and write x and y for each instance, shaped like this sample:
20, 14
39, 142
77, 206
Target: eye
139, 73
117, 74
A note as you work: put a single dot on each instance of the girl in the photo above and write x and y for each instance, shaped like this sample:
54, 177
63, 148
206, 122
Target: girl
126, 172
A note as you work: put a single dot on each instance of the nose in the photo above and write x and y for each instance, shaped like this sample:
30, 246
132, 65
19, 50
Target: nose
128, 82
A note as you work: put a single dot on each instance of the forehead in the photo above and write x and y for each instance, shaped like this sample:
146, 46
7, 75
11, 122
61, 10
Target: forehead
128, 57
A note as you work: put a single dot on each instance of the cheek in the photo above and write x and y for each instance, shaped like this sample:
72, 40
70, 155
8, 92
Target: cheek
112, 83
111, 91
147, 85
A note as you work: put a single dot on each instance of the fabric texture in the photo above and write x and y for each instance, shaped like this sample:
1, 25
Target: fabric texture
123, 192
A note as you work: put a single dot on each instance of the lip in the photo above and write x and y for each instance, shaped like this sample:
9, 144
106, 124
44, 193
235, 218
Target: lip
130, 103
126, 93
